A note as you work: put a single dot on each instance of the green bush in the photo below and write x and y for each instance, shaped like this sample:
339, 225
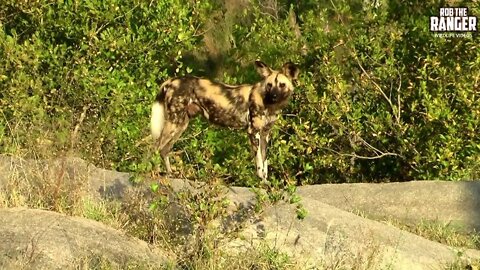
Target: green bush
101, 57
380, 98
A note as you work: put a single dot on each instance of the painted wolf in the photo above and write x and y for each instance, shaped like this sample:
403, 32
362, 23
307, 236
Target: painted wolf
254, 108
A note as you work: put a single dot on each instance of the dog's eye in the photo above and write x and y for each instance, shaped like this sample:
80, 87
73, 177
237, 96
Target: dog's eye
282, 85
269, 86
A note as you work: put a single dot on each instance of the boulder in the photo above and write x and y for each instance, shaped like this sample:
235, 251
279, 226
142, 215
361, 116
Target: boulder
447, 202
334, 238
330, 236
47, 240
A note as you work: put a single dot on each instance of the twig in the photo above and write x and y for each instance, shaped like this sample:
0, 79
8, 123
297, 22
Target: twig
142, 141
191, 136
195, 34
369, 145
77, 126
273, 7
379, 153
10, 129
397, 118
383, 154
399, 107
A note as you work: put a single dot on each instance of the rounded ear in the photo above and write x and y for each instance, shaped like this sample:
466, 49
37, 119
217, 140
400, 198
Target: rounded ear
291, 71
263, 69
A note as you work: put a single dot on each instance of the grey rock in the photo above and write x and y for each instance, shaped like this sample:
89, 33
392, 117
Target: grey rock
332, 238
447, 202
48, 240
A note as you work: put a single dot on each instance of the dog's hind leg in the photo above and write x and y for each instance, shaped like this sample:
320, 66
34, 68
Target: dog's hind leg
170, 134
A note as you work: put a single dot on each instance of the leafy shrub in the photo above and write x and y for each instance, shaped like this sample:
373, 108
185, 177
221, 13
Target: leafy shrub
380, 98
104, 57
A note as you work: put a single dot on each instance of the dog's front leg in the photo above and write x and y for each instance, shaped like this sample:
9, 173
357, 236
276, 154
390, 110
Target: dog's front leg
258, 140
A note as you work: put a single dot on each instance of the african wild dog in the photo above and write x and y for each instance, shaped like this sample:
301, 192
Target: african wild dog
252, 107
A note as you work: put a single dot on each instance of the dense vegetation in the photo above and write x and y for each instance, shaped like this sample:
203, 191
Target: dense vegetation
380, 97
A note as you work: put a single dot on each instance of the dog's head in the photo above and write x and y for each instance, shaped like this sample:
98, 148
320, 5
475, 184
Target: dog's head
278, 84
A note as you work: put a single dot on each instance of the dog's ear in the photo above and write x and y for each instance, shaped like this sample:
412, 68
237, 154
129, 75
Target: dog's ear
291, 71
263, 69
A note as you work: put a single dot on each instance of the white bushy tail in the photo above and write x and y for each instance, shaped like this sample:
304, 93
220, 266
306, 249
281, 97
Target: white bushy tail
158, 119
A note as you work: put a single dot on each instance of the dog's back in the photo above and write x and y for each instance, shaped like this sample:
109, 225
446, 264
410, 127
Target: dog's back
222, 104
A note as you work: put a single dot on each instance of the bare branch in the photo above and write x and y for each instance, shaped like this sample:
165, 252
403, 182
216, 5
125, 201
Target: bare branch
399, 107
377, 86
382, 154
77, 126
369, 145
271, 6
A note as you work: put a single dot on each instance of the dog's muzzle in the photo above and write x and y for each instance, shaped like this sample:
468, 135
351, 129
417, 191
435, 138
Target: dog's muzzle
271, 97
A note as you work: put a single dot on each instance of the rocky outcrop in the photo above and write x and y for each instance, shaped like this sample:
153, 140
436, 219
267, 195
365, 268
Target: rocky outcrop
447, 202
41, 239
331, 235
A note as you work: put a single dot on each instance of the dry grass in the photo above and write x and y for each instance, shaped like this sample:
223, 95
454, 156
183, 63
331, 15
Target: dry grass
441, 232
181, 224
260, 258
50, 186
61, 186
446, 234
